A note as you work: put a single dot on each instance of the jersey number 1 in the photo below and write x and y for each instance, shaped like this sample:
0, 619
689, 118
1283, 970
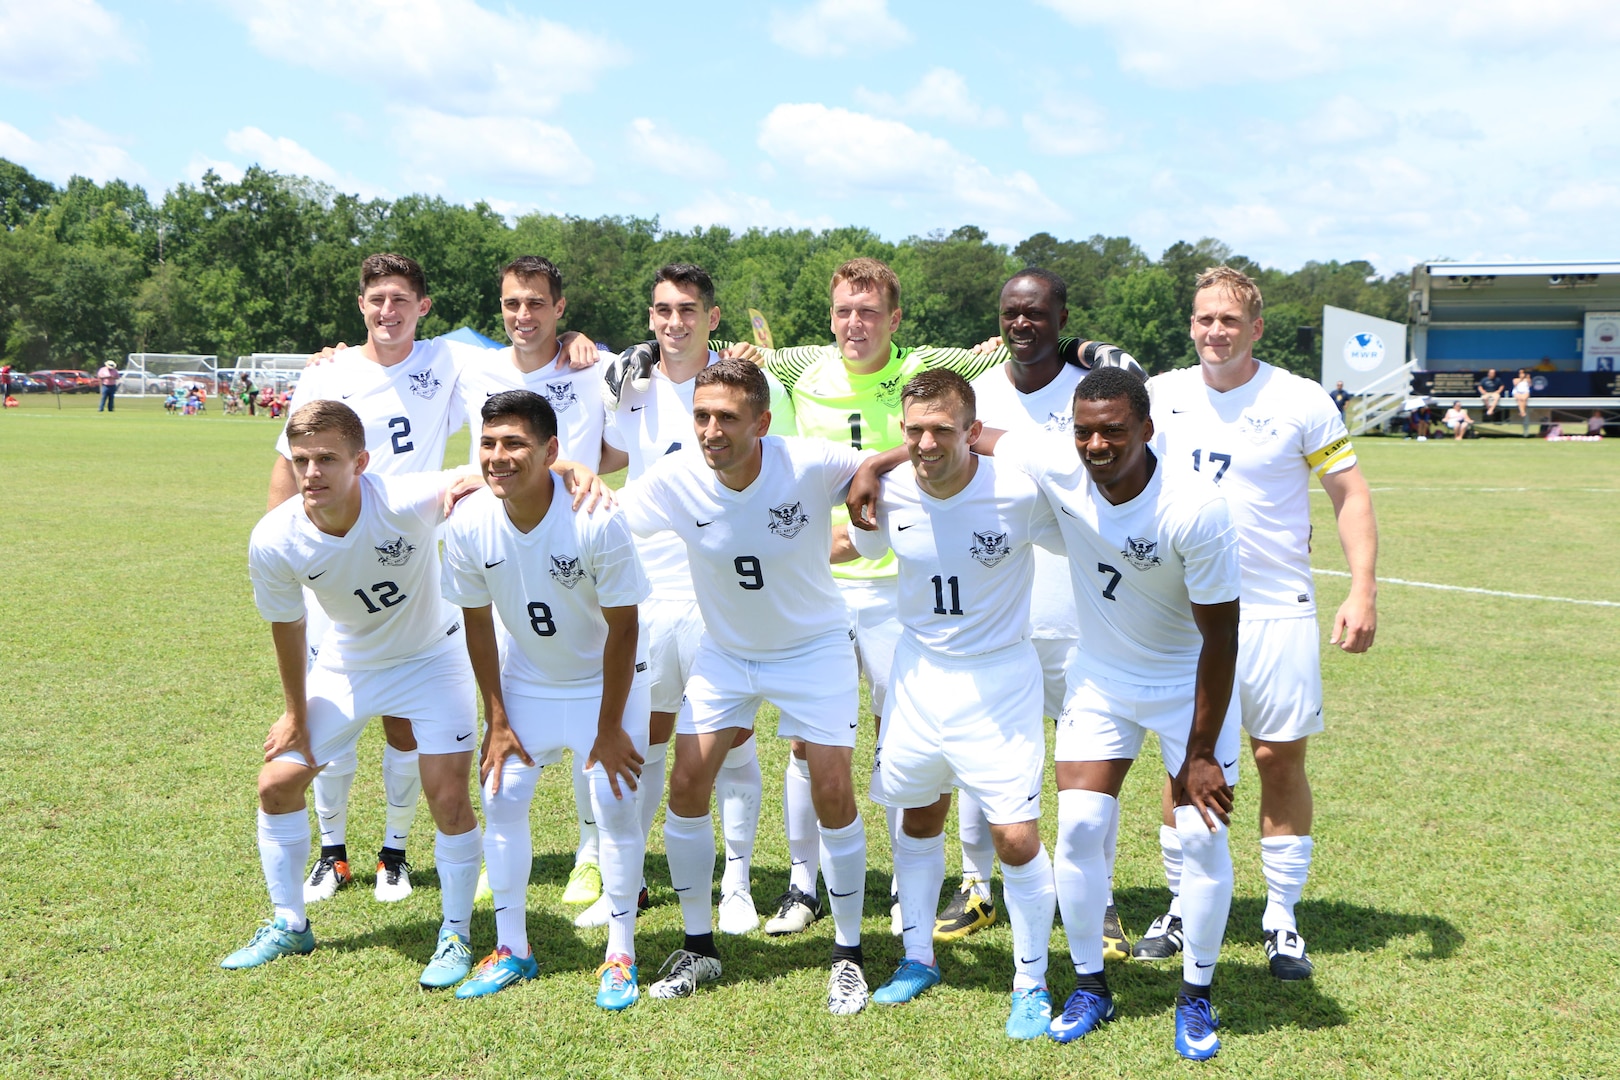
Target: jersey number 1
939, 596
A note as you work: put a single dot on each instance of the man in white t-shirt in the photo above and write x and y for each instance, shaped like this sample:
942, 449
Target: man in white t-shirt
755, 517
565, 585
649, 416
965, 692
366, 548
1260, 433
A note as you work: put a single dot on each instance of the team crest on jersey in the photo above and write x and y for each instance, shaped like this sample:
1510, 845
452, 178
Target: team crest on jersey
788, 519
560, 395
1259, 429
1141, 554
566, 571
888, 391
395, 552
989, 547
424, 385
1059, 423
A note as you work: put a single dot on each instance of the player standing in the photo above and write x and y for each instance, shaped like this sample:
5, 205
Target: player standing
965, 704
1260, 433
755, 517
392, 649
565, 585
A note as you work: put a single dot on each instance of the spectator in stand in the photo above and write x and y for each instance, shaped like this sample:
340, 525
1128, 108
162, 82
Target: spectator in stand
1594, 423
1340, 396
173, 402
1521, 397
1490, 392
1546, 364
1456, 419
108, 378
1420, 421
267, 398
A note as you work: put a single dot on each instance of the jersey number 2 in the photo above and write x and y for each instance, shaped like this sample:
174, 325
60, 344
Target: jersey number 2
388, 595
401, 427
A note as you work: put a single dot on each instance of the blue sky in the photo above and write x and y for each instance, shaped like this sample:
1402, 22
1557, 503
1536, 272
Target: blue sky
1390, 130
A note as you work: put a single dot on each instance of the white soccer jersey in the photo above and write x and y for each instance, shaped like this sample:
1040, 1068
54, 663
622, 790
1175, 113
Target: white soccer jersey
649, 424
378, 583
759, 557
409, 409
1137, 568
967, 562
575, 396
1051, 409
1260, 444
548, 586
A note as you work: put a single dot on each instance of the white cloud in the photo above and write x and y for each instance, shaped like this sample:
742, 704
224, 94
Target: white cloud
739, 211
502, 148
836, 149
1447, 124
671, 152
1343, 119
201, 164
283, 155
74, 148
64, 41
442, 54
1584, 197
1069, 127
838, 28
940, 93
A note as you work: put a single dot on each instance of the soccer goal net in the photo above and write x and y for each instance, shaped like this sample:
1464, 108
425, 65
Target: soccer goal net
161, 373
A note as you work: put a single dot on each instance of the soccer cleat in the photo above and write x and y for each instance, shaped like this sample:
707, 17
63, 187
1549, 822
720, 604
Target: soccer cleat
327, 876
496, 972
584, 884
794, 912
1285, 952
1162, 940
270, 942
483, 894
393, 876
967, 912
911, 978
1195, 1028
617, 988
737, 913
1115, 945
1083, 1013
846, 988
687, 971
451, 961
1031, 1013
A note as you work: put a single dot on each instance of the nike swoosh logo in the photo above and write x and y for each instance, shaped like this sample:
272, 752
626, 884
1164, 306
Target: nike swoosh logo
329, 817
637, 408
1199, 965
841, 895
735, 858
501, 909
619, 914
1202, 1044
312, 577
464, 738
1228, 764
1033, 797
679, 889
1178, 411
493, 565
1071, 513
396, 836
400, 805
903, 528
797, 862
702, 524
856, 724
347, 396
1031, 960
908, 929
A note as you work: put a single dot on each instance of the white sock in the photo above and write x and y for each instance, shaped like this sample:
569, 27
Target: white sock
843, 863
623, 849
331, 797
456, 858
652, 784
799, 815
1286, 861
978, 849
1030, 896
1170, 849
588, 851
283, 851
1206, 893
1081, 873
738, 790
919, 867
891, 817
689, 847
402, 785
1110, 849
509, 852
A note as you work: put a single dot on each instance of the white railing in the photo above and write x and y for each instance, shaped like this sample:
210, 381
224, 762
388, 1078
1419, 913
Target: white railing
1380, 399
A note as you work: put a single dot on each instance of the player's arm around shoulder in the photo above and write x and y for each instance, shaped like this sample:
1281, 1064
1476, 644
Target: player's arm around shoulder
869, 541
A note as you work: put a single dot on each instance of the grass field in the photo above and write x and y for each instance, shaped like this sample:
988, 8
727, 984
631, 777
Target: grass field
1462, 912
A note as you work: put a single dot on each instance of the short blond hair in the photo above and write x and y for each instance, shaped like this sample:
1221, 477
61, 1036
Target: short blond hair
334, 416
863, 274
1237, 284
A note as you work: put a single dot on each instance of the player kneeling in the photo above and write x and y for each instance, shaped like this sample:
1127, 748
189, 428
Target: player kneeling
391, 650
565, 584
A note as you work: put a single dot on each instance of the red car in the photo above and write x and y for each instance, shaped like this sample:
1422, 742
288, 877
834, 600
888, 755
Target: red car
67, 382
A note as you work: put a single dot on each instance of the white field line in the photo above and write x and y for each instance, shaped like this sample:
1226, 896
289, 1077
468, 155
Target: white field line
1549, 490
1470, 589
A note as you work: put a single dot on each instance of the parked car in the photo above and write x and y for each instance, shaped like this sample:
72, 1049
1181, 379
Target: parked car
26, 384
67, 381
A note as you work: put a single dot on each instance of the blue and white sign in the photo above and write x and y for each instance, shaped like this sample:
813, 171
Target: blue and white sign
1360, 350
1364, 351
1600, 347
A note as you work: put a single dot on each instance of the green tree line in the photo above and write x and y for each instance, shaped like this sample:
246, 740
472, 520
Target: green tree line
269, 264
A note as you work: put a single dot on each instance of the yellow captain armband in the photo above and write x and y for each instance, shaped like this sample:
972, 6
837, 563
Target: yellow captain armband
1330, 455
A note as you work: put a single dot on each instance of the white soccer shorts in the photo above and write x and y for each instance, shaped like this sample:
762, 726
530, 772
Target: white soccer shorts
1279, 678
969, 722
1106, 720
815, 691
1056, 655
874, 617
547, 725
673, 629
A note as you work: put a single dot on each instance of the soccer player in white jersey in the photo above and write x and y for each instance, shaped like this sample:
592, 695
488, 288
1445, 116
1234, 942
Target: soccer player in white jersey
565, 585
1154, 562
965, 692
755, 516
650, 416
366, 547
1260, 433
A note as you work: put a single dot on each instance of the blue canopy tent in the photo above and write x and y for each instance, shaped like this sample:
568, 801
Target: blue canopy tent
468, 336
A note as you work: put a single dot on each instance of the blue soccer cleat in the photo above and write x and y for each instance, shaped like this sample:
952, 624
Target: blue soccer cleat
618, 988
1082, 1014
1195, 1028
909, 979
452, 959
1030, 1015
270, 942
496, 972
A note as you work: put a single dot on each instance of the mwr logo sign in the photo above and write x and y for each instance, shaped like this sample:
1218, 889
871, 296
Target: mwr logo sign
1364, 351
